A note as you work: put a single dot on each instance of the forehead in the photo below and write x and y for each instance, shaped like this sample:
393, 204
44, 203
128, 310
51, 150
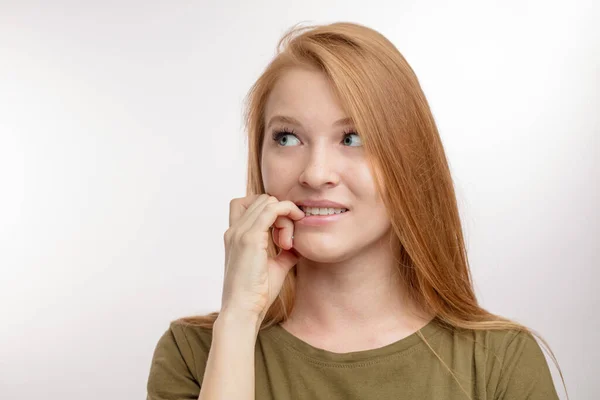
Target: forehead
306, 95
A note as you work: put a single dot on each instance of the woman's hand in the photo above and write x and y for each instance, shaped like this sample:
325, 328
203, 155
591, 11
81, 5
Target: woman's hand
252, 279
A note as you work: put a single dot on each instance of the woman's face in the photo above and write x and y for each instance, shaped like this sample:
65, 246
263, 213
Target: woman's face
320, 160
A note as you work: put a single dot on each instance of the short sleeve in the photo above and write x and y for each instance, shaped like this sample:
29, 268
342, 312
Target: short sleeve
525, 374
171, 376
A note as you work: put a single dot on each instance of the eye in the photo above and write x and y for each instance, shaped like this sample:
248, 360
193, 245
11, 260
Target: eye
277, 135
349, 134
284, 133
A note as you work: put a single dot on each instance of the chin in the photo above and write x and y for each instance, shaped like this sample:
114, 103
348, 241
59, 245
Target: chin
322, 253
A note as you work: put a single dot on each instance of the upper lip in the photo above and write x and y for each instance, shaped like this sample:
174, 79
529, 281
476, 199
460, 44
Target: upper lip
320, 203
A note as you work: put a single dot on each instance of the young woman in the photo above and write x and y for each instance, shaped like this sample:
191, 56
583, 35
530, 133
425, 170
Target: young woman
346, 274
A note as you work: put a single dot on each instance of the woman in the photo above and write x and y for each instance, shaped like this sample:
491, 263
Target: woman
374, 300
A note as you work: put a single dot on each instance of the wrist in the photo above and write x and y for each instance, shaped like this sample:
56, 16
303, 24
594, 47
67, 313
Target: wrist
236, 320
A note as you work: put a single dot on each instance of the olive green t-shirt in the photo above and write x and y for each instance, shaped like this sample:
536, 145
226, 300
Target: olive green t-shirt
490, 365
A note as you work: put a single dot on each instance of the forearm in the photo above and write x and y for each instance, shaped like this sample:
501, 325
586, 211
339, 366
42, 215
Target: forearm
229, 372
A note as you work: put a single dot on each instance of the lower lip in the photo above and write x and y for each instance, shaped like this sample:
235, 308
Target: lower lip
319, 220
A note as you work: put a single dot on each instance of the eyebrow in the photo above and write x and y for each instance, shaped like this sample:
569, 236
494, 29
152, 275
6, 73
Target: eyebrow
294, 121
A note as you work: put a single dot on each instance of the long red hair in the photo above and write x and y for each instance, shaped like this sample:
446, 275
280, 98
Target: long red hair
381, 93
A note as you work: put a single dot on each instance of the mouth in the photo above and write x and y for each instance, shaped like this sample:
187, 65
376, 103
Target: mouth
322, 211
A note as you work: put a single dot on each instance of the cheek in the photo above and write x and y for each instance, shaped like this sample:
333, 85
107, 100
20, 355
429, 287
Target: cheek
363, 183
267, 170
374, 178
277, 175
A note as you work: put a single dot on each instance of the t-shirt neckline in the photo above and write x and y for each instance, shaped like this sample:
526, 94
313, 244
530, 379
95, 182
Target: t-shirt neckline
317, 354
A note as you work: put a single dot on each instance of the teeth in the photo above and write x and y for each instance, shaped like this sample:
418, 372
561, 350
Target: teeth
322, 211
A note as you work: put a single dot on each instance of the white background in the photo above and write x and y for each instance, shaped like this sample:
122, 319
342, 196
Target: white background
121, 145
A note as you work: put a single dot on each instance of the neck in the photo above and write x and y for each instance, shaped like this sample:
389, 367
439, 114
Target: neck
363, 291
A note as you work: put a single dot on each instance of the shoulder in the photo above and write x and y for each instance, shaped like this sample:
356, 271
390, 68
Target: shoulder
184, 348
510, 362
196, 337
514, 349
178, 362
492, 343
499, 344
523, 355
506, 348
519, 367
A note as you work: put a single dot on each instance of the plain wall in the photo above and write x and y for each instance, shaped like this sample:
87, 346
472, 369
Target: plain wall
121, 145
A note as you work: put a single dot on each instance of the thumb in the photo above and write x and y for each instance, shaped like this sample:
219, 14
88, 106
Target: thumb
283, 262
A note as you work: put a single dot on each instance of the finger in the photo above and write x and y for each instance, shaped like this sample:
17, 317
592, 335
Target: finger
285, 228
239, 206
276, 232
247, 220
285, 260
271, 212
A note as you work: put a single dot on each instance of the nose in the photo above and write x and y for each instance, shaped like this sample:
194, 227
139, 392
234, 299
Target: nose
320, 170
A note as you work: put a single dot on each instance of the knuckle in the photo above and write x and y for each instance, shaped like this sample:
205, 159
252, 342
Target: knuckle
271, 207
227, 236
247, 238
288, 202
236, 237
259, 199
